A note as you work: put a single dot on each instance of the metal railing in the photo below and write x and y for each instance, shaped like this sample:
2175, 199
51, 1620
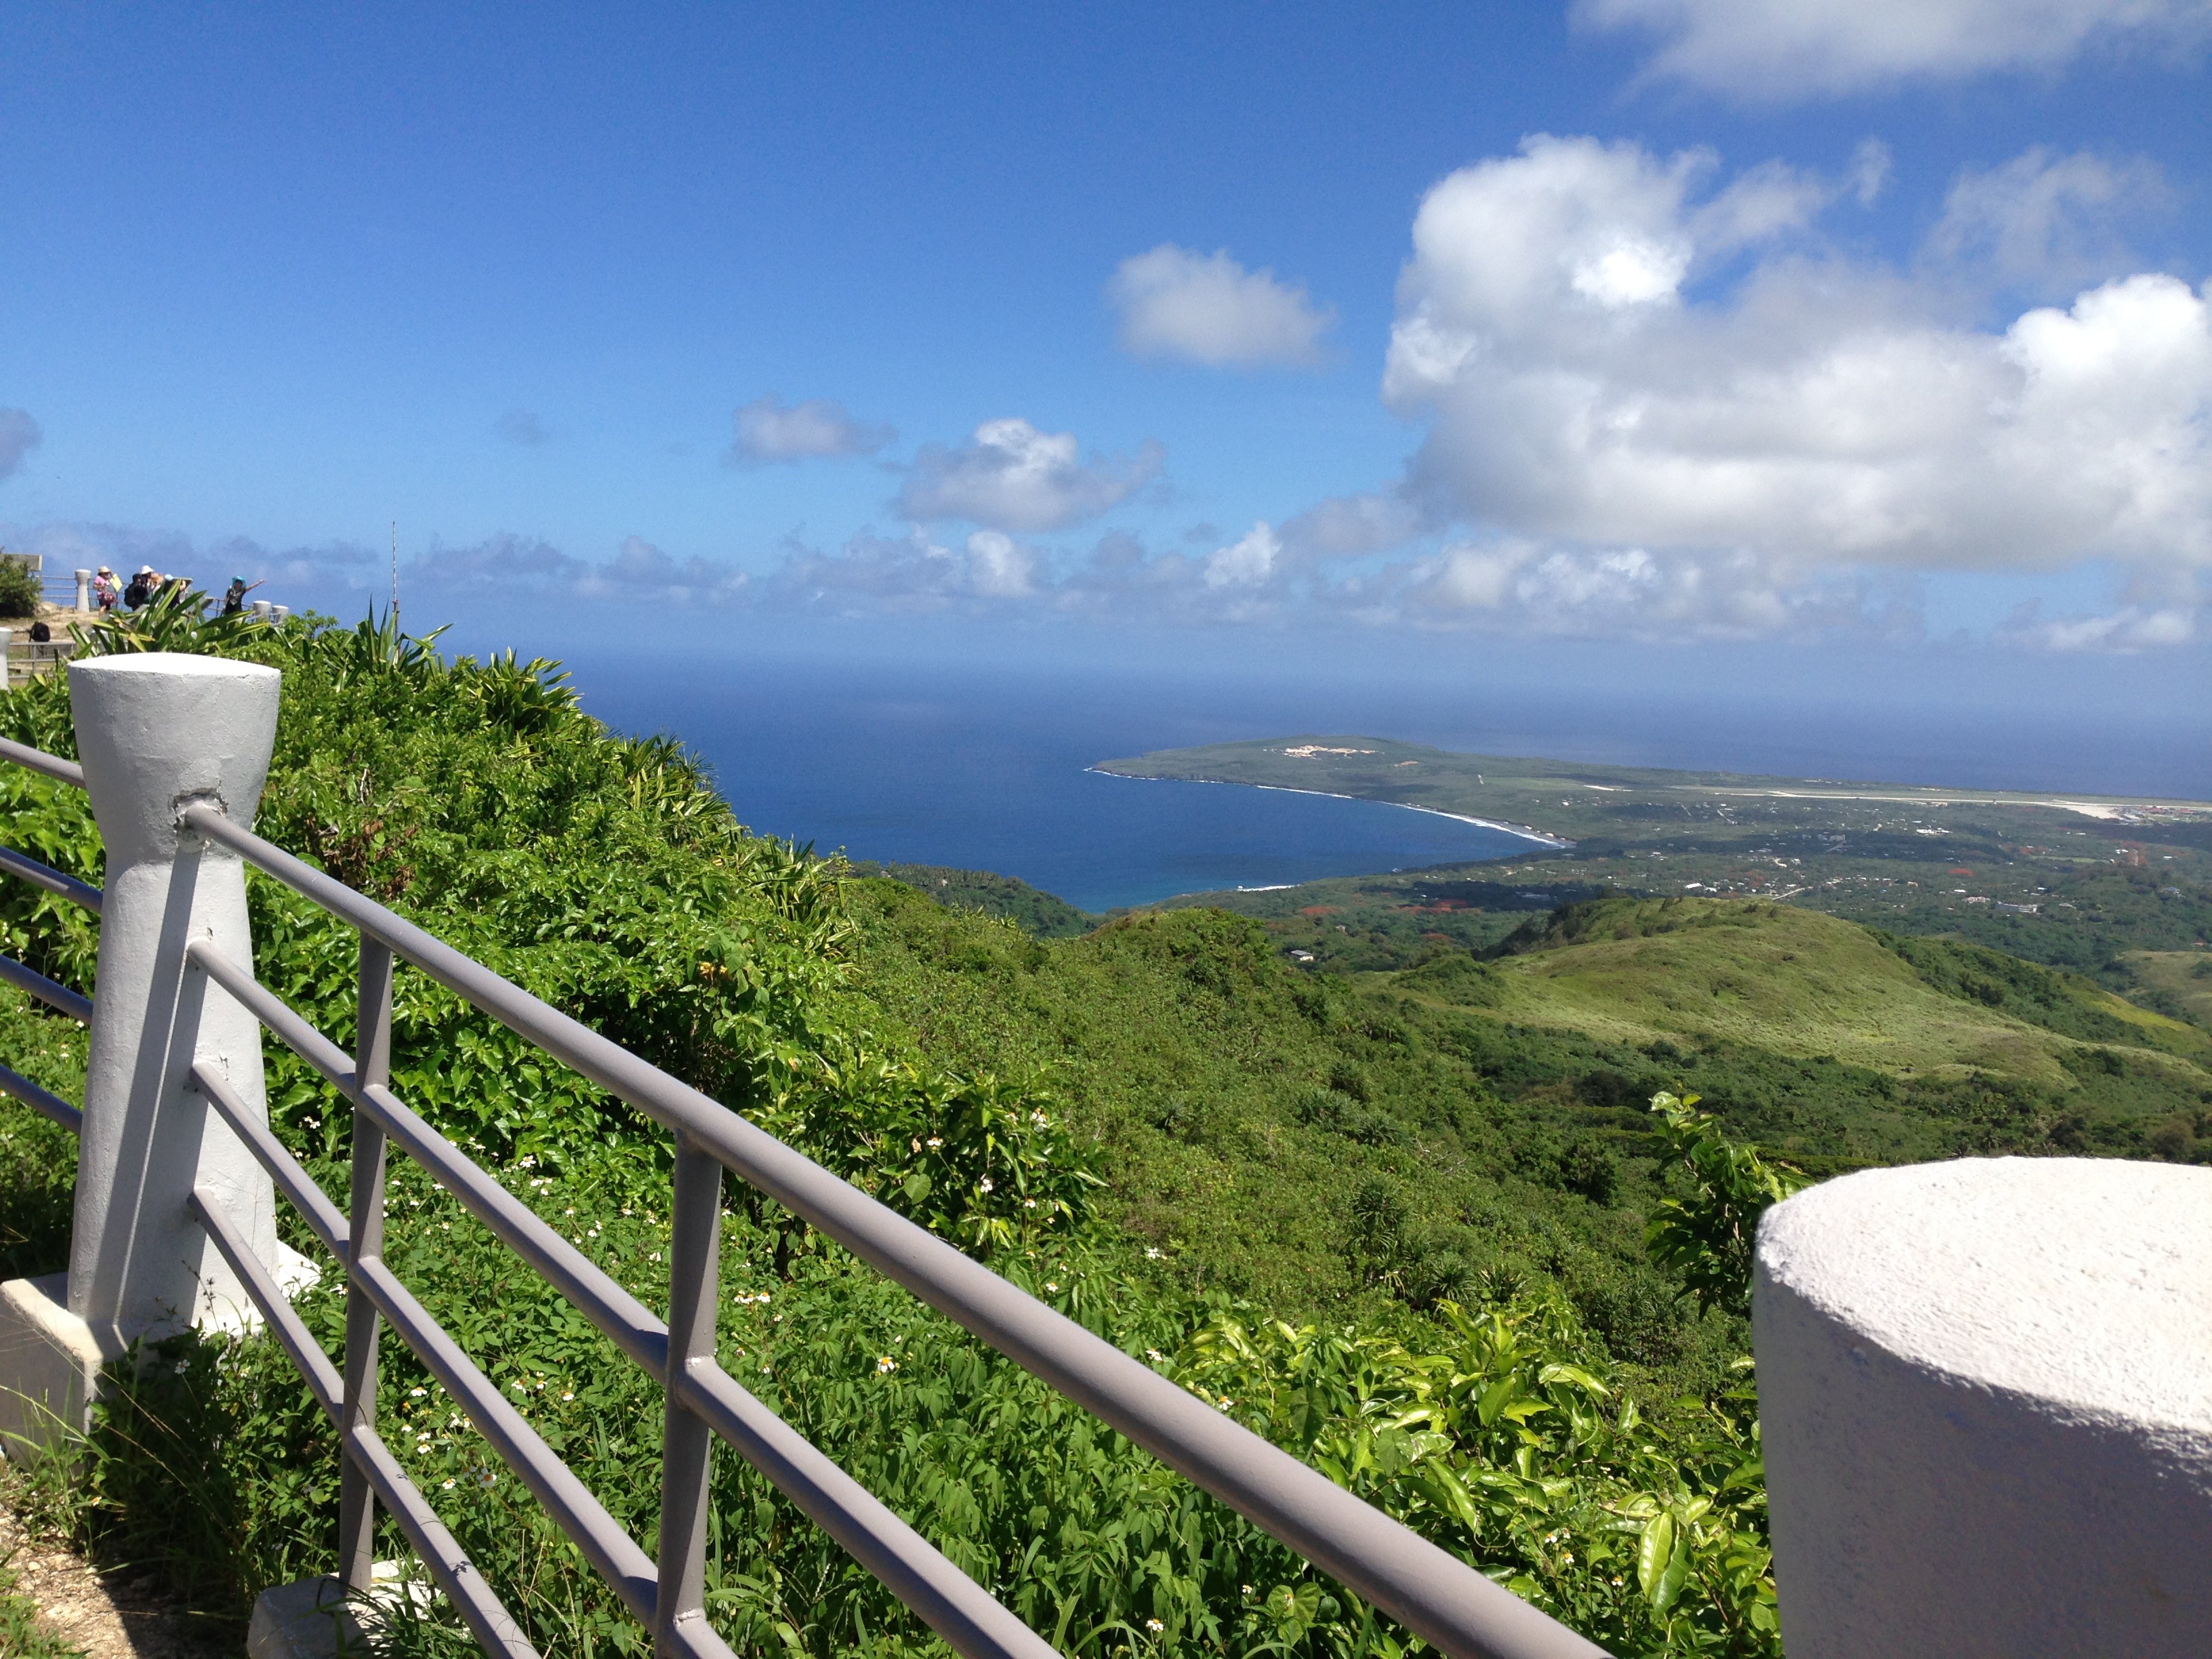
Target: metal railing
1456, 1608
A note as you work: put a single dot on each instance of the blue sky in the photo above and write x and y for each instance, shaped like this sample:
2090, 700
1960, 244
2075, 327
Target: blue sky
1634, 322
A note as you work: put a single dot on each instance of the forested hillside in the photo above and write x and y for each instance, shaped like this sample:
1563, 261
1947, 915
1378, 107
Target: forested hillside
1423, 1226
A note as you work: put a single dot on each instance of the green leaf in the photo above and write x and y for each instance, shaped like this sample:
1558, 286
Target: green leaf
1654, 1552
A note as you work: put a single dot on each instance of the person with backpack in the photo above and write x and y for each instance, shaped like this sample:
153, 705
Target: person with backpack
141, 588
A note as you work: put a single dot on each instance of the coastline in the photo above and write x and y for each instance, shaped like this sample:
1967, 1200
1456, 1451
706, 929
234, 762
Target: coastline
1521, 830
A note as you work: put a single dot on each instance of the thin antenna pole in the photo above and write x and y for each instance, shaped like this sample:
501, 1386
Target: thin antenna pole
395, 576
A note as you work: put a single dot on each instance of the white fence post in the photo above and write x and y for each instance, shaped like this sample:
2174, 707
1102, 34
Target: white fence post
157, 732
84, 590
1985, 1396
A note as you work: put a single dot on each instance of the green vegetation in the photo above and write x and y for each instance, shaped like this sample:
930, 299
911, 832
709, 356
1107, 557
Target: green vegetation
1418, 1224
1036, 912
19, 593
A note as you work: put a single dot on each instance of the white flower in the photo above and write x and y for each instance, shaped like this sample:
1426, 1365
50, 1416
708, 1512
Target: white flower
933, 1142
571, 1394
529, 1162
1154, 1626
449, 1486
1029, 1204
985, 1183
1156, 1355
1152, 1253
415, 1394
1051, 1285
886, 1364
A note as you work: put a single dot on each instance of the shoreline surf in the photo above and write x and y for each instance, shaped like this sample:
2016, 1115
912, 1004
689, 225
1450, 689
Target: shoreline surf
1521, 831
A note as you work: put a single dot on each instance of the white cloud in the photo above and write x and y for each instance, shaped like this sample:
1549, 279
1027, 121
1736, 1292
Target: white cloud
19, 435
907, 573
1013, 478
1248, 562
1000, 568
2130, 628
1768, 51
2043, 218
770, 430
1175, 303
1521, 586
1582, 392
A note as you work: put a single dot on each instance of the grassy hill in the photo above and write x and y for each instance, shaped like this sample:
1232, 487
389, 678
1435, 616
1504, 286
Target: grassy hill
1801, 984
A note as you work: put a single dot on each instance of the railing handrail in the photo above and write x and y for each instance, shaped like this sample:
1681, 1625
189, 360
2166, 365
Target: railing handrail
1457, 1609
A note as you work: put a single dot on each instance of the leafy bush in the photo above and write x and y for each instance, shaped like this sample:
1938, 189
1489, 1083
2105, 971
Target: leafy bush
21, 594
1706, 1236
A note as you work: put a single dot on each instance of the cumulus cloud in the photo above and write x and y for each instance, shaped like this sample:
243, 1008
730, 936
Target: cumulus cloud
1176, 302
520, 426
769, 430
1248, 562
913, 573
19, 435
1524, 586
1763, 51
1581, 390
1013, 478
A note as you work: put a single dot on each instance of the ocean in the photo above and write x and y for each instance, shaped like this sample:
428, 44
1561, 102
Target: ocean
984, 766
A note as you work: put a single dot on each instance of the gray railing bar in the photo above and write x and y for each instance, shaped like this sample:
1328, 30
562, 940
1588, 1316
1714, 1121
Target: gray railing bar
611, 1550
46, 876
372, 1065
943, 1596
970, 1618
272, 1011
626, 1320
1432, 1592
449, 1564
58, 997
687, 1440
38, 760
269, 1299
613, 1553
42, 1100
314, 1205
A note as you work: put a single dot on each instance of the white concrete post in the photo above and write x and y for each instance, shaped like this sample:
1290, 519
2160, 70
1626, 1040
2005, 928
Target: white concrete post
1986, 1396
158, 733
84, 590
260, 608
280, 612
7, 659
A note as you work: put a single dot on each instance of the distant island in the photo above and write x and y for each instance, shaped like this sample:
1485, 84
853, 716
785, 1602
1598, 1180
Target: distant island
2119, 888
1564, 802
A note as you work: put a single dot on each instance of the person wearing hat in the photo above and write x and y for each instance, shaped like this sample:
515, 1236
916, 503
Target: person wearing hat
140, 587
233, 597
106, 591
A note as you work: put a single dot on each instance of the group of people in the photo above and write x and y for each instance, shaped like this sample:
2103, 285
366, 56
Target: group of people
143, 588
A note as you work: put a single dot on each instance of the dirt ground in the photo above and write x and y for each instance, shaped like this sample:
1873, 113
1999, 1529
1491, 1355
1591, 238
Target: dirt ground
118, 1615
